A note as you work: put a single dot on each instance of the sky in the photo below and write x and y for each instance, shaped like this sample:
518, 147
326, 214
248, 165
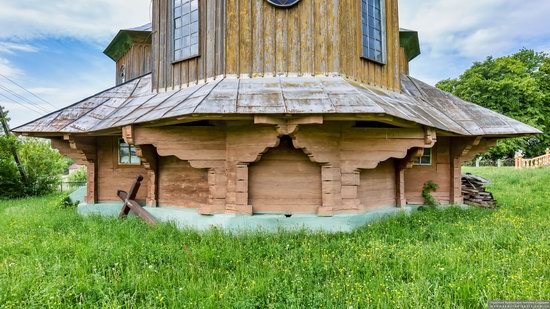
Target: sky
54, 48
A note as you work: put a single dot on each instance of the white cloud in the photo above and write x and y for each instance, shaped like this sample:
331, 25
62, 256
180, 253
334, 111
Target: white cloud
82, 19
475, 28
454, 33
7, 69
8, 47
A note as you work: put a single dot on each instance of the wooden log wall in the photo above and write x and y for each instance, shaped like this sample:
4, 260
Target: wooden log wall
439, 172
377, 186
253, 38
234, 153
111, 176
137, 62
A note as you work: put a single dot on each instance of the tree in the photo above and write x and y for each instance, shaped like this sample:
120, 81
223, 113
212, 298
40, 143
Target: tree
43, 166
517, 86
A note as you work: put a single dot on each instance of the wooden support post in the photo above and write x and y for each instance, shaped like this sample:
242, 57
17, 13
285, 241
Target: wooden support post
400, 198
400, 167
237, 189
455, 194
85, 146
331, 188
241, 189
149, 159
351, 179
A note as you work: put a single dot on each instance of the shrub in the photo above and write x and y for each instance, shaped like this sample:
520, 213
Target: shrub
79, 175
429, 200
43, 166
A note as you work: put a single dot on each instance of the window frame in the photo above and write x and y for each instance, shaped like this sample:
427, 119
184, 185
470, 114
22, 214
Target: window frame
119, 147
383, 34
418, 161
173, 33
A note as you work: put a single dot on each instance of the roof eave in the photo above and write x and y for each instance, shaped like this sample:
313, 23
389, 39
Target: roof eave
408, 39
124, 40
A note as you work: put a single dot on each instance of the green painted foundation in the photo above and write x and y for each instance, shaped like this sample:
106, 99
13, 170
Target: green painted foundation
187, 218
190, 218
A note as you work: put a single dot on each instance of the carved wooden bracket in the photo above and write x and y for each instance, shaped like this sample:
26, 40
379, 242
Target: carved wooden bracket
430, 136
413, 154
287, 126
128, 134
148, 156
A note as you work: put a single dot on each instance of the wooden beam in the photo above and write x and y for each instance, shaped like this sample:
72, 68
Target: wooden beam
400, 167
149, 159
85, 146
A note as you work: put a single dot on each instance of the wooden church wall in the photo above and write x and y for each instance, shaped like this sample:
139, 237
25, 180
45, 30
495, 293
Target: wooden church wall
439, 172
377, 188
181, 185
312, 37
137, 62
285, 181
171, 75
111, 176
253, 38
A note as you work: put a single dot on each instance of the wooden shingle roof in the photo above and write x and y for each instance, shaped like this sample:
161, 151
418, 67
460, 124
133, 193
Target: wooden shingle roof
134, 103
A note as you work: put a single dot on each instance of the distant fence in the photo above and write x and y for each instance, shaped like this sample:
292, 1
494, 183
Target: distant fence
539, 161
69, 186
487, 162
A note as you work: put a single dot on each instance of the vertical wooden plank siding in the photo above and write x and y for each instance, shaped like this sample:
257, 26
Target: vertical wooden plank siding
257, 37
269, 38
137, 62
211, 60
155, 44
252, 38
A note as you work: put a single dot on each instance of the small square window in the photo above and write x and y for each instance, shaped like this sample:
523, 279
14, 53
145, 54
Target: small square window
127, 154
425, 159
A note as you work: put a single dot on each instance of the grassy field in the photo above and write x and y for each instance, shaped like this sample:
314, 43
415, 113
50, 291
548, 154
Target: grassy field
51, 257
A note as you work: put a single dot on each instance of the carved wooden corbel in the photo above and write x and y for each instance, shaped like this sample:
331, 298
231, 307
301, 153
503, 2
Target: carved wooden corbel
128, 134
148, 156
85, 146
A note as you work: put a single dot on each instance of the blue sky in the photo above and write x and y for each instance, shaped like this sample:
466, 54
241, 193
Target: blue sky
54, 48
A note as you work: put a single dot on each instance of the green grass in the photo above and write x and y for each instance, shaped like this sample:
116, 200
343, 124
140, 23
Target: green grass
51, 257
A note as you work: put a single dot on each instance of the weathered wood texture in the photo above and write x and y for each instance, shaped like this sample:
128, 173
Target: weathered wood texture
438, 172
137, 62
112, 176
377, 188
285, 181
168, 74
253, 38
240, 159
181, 185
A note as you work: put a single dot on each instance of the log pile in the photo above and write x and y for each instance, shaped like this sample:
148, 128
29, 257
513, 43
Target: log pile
474, 193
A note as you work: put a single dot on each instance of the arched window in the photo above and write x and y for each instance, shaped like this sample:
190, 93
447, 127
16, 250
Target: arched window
373, 17
185, 29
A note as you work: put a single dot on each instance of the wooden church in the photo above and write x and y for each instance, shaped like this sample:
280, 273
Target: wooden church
255, 107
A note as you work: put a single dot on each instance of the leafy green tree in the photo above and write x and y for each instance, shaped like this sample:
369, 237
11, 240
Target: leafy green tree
517, 86
43, 166
79, 175
10, 180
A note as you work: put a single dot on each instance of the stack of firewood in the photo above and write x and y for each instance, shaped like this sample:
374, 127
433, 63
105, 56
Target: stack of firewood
474, 192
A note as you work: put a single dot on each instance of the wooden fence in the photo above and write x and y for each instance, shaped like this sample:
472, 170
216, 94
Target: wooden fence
541, 161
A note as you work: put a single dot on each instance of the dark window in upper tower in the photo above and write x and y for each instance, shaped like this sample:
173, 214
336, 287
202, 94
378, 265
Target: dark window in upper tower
186, 29
373, 17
